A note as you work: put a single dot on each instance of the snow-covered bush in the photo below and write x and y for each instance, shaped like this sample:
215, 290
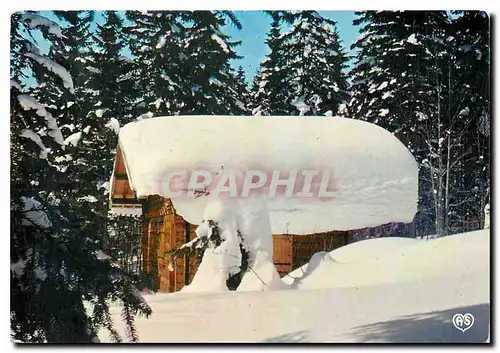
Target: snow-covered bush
234, 243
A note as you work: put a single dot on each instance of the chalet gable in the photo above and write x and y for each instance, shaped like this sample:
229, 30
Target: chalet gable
123, 199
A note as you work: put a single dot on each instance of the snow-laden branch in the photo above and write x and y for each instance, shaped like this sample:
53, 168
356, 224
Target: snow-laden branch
34, 20
33, 136
29, 103
35, 213
59, 70
73, 139
15, 84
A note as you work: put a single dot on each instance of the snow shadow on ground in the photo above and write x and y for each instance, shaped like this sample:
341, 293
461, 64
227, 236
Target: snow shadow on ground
292, 337
435, 327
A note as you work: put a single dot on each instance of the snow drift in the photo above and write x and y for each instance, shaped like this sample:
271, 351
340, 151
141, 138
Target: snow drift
429, 283
374, 175
361, 250
437, 258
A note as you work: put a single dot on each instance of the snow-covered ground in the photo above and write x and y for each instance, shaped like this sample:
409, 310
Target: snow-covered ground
380, 290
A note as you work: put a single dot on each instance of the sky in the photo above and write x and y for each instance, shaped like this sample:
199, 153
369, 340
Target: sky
253, 35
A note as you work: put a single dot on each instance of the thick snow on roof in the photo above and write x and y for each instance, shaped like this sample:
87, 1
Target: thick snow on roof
374, 176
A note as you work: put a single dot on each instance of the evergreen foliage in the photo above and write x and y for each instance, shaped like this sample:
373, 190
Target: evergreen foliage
303, 73
423, 75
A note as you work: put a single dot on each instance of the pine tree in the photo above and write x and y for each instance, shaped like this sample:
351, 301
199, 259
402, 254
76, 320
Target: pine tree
60, 284
305, 65
391, 70
110, 73
240, 90
210, 85
110, 106
389, 81
182, 63
267, 95
469, 86
410, 80
155, 41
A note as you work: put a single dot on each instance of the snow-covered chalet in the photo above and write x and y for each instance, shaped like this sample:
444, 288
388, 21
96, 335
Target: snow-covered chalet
375, 181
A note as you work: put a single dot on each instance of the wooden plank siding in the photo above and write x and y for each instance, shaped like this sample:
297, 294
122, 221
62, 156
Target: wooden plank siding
165, 231
282, 253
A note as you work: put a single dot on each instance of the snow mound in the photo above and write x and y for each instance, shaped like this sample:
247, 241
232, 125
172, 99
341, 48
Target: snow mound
364, 249
438, 258
208, 278
73, 139
28, 103
318, 267
242, 224
374, 176
255, 226
262, 276
113, 124
33, 136
358, 251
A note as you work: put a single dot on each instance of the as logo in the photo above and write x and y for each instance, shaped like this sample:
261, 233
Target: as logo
463, 322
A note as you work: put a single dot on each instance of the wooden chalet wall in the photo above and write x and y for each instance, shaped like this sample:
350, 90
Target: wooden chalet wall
165, 230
